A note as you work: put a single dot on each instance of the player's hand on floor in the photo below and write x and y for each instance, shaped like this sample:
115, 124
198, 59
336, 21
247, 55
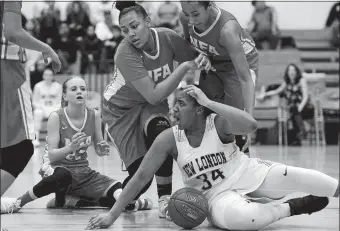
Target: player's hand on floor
51, 56
248, 142
103, 148
102, 221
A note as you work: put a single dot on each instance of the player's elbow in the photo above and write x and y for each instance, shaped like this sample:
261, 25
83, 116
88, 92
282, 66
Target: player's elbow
253, 125
153, 100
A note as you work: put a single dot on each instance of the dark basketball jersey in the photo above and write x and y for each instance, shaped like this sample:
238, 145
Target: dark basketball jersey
133, 64
67, 130
208, 41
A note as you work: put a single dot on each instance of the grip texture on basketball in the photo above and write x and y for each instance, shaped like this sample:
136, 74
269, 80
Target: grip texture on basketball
188, 208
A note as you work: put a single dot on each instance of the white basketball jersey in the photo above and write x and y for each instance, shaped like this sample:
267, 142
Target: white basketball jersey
212, 167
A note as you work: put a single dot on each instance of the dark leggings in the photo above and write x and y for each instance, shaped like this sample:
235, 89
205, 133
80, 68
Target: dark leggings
59, 183
164, 170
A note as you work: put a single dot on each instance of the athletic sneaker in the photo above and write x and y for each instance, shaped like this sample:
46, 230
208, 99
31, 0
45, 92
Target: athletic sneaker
307, 205
140, 204
10, 205
163, 202
70, 203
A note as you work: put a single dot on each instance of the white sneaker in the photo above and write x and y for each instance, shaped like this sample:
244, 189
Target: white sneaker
10, 205
163, 202
70, 202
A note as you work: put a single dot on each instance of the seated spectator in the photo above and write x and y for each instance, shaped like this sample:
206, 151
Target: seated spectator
46, 99
78, 21
67, 47
109, 50
263, 25
168, 12
91, 49
36, 72
103, 30
294, 88
49, 24
333, 22
99, 8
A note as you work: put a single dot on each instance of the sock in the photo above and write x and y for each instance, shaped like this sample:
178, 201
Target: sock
164, 189
27, 197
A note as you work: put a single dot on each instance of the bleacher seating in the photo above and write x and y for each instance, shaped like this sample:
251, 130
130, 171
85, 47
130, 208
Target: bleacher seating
272, 65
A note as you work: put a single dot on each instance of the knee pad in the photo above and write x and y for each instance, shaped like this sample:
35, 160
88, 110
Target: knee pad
15, 158
154, 127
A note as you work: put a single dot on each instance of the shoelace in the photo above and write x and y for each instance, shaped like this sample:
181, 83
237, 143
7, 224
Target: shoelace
10, 206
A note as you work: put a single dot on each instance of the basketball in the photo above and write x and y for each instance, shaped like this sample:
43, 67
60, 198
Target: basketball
188, 208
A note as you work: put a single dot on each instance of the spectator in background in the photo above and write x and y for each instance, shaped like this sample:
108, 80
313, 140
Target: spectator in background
78, 21
46, 99
99, 8
49, 24
263, 25
168, 12
150, 10
333, 22
90, 52
109, 51
67, 47
295, 90
103, 30
36, 72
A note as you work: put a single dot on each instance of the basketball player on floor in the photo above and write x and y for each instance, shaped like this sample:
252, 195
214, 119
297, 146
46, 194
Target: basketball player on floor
17, 126
135, 106
71, 130
203, 145
233, 56
46, 99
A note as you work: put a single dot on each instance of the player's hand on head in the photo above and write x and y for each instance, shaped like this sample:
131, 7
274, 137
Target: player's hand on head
102, 221
51, 56
198, 94
103, 148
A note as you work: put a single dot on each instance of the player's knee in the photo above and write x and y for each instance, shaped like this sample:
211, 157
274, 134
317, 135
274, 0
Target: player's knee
64, 178
242, 217
154, 127
16, 157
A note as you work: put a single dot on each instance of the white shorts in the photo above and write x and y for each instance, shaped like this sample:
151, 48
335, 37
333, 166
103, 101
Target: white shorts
250, 180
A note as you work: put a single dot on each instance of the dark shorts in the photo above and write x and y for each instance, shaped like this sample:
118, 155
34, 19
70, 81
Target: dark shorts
89, 184
16, 107
127, 132
224, 86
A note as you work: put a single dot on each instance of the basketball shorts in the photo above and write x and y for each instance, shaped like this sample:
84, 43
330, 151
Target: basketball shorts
89, 184
248, 181
16, 107
127, 132
224, 86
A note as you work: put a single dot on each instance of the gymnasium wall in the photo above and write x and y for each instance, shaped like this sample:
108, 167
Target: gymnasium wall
291, 15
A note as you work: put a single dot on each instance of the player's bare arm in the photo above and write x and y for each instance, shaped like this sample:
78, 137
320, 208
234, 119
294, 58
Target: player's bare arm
229, 120
14, 32
163, 146
155, 93
230, 38
101, 147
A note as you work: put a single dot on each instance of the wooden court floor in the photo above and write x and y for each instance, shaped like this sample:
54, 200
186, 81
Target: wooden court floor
35, 217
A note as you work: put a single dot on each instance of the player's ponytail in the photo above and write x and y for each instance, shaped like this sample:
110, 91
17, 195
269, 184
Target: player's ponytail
127, 6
